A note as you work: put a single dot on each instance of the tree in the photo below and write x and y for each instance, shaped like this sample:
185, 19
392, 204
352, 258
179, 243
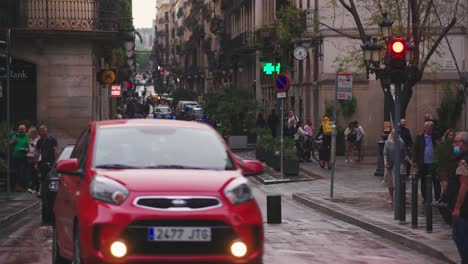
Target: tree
142, 59
425, 22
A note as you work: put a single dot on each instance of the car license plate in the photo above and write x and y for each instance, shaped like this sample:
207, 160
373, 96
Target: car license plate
177, 233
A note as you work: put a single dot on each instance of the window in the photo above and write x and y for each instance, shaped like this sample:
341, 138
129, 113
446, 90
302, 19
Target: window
80, 151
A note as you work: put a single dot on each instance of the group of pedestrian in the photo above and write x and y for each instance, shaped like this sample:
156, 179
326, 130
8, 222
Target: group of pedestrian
354, 137
34, 153
444, 157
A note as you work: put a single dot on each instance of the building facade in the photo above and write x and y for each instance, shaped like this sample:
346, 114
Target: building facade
58, 49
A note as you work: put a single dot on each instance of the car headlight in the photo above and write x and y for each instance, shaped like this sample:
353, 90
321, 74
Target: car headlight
54, 185
107, 190
238, 191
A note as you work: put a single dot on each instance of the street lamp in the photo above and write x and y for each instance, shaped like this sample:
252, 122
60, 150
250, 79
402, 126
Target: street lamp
398, 55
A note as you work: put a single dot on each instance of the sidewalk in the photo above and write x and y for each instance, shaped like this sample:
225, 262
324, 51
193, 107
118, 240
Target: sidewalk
360, 199
15, 206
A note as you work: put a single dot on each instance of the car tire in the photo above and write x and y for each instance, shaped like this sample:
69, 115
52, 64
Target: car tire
77, 259
47, 214
56, 257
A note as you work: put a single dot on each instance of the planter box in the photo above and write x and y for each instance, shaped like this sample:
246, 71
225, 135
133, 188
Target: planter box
291, 167
260, 154
237, 142
276, 162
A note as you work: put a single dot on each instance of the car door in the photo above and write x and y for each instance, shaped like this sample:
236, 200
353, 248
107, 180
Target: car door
67, 195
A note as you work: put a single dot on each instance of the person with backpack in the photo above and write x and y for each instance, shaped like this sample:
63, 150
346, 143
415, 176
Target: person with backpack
350, 141
325, 147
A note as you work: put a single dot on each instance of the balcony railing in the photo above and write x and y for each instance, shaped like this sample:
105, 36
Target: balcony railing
79, 15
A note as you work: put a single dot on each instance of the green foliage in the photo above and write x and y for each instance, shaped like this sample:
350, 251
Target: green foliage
450, 108
443, 155
118, 57
142, 60
290, 151
181, 94
4, 138
291, 23
348, 107
263, 136
329, 110
235, 109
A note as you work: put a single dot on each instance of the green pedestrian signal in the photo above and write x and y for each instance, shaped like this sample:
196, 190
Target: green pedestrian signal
269, 68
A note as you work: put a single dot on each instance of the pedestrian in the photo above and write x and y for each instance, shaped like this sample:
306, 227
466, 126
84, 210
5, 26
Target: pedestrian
292, 129
436, 130
325, 148
350, 141
444, 157
424, 159
309, 129
389, 152
273, 122
261, 121
405, 135
47, 153
458, 201
299, 136
20, 143
31, 158
291, 117
359, 140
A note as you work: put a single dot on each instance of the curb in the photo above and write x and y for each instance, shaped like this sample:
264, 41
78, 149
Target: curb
19, 214
373, 228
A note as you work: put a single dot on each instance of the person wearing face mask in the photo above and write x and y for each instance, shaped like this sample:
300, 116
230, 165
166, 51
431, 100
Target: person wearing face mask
458, 198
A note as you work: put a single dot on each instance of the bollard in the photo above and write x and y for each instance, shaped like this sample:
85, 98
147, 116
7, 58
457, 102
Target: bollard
414, 200
274, 209
402, 213
429, 203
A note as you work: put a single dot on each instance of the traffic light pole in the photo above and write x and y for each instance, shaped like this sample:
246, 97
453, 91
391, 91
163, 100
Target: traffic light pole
396, 168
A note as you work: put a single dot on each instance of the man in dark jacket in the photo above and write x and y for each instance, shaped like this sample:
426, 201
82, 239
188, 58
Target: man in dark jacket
458, 198
423, 157
273, 122
405, 135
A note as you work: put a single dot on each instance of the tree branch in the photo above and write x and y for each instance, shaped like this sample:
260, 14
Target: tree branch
346, 6
426, 16
436, 43
337, 31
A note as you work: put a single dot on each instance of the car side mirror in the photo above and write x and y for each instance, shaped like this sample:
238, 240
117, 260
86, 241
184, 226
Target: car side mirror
251, 167
69, 167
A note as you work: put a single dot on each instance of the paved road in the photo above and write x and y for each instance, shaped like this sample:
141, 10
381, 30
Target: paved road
304, 237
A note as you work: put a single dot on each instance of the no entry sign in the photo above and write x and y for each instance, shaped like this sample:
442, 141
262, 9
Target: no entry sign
282, 83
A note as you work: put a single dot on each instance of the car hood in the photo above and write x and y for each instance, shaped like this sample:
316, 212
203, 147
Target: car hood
171, 180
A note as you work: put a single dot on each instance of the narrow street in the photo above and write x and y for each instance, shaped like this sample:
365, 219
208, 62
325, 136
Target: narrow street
304, 237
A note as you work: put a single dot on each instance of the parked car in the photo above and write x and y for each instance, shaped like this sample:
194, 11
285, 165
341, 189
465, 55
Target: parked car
50, 188
182, 105
139, 191
162, 111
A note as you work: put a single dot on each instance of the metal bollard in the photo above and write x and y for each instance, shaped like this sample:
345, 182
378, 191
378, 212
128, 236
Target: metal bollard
274, 209
429, 203
402, 213
414, 200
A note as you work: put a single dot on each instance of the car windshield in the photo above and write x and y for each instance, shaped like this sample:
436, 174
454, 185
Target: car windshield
163, 110
160, 147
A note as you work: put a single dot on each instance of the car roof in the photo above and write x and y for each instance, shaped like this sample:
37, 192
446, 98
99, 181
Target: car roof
149, 123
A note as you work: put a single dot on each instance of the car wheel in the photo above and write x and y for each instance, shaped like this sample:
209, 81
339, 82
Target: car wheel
56, 258
46, 208
77, 247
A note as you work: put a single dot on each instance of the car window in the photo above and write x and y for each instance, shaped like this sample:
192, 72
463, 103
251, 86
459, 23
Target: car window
81, 147
66, 153
161, 146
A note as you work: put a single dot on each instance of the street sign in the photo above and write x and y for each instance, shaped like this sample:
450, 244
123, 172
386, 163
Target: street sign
282, 83
345, 86
108, 76
281, 95
116, 90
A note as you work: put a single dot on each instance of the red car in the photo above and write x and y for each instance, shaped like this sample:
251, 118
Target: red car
159, 191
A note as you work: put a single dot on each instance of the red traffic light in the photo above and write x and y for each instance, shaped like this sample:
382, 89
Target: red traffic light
398, 46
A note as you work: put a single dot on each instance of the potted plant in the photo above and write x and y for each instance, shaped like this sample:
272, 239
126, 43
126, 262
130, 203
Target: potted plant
263, 137
235, 109
290, 158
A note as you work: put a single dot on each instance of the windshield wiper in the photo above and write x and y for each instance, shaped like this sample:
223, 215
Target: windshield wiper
116, 166
181, 167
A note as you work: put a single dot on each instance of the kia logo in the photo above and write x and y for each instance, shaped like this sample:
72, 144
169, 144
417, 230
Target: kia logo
179, 202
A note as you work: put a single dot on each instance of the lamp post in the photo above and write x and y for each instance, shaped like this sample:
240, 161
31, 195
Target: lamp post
397, 57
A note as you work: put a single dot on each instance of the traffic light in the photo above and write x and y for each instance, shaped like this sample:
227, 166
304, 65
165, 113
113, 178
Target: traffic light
397, 49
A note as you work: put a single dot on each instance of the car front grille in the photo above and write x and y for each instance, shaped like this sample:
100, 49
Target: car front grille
178, 203
136, 235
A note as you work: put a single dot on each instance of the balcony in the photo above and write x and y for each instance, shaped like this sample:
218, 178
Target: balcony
244, 42
66, 15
